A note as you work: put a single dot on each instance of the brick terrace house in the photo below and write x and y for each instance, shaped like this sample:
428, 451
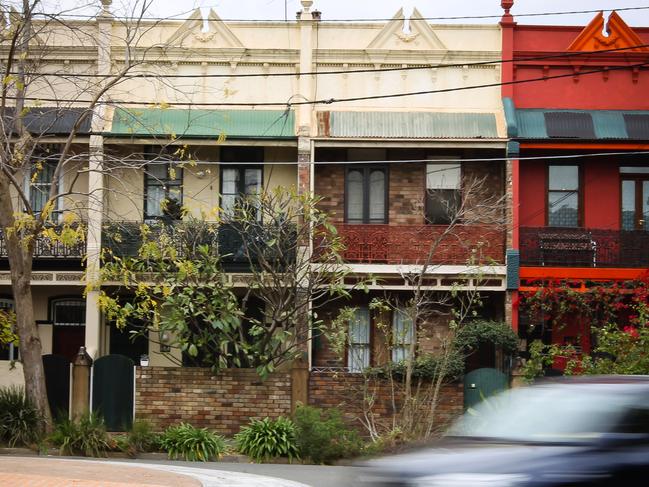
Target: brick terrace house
579, 125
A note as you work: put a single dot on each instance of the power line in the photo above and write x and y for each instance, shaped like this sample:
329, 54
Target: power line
343, 72
457, 17
330, 101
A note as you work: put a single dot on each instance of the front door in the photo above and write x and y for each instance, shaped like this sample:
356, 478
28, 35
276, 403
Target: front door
635, 203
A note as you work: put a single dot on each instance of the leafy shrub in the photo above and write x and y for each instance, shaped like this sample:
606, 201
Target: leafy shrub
264, 439
427, 367
192, 444
19, 420
142, 438
86, 436
323, 436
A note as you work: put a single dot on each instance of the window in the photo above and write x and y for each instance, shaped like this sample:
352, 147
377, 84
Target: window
163, 190
402, 334
443, 197
239, 184
563, 196
39, 184
9, 352
366, 195
69, 312
358, 351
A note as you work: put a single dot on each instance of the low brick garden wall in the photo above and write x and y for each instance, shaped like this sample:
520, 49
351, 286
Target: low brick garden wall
344, 391
223, 402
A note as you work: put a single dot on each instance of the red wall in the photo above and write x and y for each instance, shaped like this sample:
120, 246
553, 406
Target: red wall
600, 190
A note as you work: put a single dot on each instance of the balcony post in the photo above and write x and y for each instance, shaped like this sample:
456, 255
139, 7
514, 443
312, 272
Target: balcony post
513, 219
96, 193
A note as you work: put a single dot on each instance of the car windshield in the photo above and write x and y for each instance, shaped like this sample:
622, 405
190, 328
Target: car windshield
545, 413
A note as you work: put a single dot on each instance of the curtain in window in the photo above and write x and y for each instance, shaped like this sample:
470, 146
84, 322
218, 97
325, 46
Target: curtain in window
355, 196
402, 334
359, 341
41, 185
230, 192
377, 196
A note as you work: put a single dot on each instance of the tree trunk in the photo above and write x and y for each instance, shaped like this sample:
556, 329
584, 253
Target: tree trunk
31, 349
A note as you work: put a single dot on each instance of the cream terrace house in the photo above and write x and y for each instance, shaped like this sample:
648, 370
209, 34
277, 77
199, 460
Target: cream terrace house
232, 94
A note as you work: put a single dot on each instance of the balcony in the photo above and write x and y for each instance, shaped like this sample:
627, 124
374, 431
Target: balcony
583, 247
124, 239
411, 244
50, 253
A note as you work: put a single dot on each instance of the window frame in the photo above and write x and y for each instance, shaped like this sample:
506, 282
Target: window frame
366, 170
580, 196
166, 183
365, 346
241, 184
63, 299
638, 178
401, 345
441, 160
28, 185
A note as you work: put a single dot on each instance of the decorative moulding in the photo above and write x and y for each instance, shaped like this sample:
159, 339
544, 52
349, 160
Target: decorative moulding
421, 35
620, 35
217, 31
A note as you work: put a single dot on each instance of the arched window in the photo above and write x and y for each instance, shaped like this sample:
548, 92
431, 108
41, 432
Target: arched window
9, 352
68, 312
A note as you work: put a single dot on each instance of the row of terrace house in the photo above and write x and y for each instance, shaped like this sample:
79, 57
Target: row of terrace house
497, 189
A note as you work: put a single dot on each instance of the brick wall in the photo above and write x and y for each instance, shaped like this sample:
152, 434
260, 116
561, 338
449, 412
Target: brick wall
329, 184
345, 391
169, 395
406, 194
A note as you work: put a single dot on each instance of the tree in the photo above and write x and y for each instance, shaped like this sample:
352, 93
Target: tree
177, 285
415, 381
38, 96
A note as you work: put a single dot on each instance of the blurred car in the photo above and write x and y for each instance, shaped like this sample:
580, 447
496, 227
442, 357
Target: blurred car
567, 432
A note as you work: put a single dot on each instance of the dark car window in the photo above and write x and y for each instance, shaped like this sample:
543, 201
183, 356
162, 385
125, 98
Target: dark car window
636, 420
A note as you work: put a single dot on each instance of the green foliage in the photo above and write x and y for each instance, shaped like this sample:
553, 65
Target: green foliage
323, 436
191, 443
19, 420
264, 439
427, 366
7, 322
469, 336
142, 438
86, 436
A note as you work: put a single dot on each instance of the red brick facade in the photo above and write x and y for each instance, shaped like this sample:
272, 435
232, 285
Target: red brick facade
223, 403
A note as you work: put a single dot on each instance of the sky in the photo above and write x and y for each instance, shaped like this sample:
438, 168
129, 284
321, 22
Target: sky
381, 9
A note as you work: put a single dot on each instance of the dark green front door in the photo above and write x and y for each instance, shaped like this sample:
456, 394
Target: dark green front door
57, 383
112, 391
479, 384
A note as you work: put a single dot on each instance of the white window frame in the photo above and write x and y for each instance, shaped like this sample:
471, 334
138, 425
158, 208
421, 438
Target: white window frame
358, 352
401, 337
27, 188
444, 164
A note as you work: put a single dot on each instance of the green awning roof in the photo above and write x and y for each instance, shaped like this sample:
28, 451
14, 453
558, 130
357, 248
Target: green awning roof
411, 125
550, 124
237, 124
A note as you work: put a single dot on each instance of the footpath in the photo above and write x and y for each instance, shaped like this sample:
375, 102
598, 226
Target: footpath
60, 472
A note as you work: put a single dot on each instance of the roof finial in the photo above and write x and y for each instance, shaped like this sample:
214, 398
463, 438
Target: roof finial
507, 5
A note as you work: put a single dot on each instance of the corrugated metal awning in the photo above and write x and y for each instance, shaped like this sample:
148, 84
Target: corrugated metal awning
581, 124
51, 120
407, 125
241, 124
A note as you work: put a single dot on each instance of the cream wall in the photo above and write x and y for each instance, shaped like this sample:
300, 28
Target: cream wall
11, 374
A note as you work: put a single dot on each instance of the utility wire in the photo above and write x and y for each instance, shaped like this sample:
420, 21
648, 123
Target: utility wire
179, 16
345, 72
330, 101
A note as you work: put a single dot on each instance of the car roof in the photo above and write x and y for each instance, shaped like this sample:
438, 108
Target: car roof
620, 382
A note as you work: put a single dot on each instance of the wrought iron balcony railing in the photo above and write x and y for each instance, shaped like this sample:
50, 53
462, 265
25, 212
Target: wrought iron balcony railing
583, 247
49, 249
412, 244
124, 239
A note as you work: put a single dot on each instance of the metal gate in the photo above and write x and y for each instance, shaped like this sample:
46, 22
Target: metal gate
479, 384
112, 391
57, 383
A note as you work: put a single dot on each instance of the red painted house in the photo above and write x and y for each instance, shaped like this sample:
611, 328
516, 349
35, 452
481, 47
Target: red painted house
578, 118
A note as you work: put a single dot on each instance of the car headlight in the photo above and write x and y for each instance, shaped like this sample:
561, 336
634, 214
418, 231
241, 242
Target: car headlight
470, 480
